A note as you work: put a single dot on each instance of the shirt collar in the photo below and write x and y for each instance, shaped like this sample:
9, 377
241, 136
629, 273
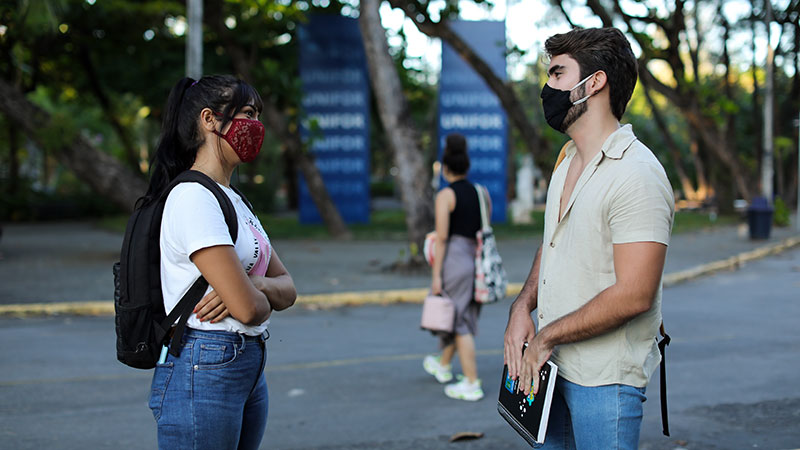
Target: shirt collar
619, 141
614, 147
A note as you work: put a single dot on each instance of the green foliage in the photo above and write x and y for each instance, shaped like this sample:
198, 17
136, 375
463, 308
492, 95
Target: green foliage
72, 56
780, 216
260, 179
65, 198
64, 52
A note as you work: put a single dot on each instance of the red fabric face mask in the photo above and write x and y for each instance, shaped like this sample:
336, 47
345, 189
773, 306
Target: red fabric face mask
245, 137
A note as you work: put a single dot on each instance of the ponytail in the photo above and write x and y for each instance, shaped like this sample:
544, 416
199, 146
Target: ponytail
180, 134
170, 157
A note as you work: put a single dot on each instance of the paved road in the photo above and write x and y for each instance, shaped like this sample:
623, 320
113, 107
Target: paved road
351, 377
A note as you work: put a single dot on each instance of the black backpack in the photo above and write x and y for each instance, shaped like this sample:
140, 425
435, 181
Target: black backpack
142, 324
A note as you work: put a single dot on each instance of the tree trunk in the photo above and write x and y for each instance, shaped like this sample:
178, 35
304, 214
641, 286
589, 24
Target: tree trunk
292, 186
413, 178
13, 160
683, 95
703, 186
131, 156
511, 170
708, 131
689, 192
714, 141
101, 171
276, 121
537, 145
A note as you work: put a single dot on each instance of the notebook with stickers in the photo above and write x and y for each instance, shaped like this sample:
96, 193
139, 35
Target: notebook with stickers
528, 414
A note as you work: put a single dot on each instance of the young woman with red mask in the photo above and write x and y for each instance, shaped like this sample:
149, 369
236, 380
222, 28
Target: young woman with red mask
214, 394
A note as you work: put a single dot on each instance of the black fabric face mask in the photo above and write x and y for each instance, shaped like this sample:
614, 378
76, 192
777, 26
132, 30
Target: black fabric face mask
556, 104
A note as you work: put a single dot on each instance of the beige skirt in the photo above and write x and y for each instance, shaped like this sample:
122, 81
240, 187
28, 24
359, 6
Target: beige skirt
458, 283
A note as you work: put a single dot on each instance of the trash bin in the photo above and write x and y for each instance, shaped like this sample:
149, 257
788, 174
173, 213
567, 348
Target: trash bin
759, 218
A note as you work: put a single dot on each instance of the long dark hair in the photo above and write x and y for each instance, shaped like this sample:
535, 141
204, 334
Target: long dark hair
180, 133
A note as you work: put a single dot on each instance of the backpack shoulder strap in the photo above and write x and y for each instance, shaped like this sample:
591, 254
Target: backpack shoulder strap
184, 308
561, 155
224, 202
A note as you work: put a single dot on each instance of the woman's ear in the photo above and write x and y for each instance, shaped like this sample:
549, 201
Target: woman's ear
207, 120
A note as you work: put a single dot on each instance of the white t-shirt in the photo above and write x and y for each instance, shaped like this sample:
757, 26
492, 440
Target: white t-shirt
193, 220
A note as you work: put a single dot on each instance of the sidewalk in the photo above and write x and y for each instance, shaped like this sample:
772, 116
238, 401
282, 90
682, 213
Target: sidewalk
67, 265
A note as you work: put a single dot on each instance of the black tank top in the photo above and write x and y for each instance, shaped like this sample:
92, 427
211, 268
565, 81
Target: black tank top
465, 219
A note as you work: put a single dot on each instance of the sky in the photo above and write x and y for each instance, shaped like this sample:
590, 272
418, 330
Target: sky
523, 28
530, 22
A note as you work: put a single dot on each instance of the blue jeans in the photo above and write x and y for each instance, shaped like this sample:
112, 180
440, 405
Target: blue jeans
214, 396
602, 417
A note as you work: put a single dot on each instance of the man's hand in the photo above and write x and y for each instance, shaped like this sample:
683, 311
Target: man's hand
519, 330
210, 308
536, 355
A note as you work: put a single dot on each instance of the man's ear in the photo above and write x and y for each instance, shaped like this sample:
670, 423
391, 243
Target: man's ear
598, 81
208, 120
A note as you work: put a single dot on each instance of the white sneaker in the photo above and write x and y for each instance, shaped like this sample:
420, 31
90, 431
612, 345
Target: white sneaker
464, 390
432, 365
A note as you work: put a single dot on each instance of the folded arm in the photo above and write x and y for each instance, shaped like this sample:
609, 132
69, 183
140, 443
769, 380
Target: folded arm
224, 272
277, 284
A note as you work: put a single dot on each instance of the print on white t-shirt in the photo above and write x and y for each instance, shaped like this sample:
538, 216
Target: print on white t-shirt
193, 220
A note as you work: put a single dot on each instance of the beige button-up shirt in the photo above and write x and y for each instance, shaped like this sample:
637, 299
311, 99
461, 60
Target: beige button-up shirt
622, 196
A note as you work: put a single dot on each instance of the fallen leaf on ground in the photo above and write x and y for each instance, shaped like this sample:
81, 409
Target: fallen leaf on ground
465, 435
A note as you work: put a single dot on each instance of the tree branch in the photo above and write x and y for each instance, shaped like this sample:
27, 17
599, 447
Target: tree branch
101, 171
537, 145
97, 89
600, 11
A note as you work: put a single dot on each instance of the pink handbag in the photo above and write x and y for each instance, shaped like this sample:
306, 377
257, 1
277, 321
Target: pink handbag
438, 314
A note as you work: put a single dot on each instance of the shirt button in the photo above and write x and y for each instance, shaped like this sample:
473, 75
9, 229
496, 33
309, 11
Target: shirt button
544, 281
552, 245
196, 367
541, 316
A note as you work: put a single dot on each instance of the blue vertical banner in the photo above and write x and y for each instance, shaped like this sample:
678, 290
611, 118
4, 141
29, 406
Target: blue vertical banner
469, 107
335, 124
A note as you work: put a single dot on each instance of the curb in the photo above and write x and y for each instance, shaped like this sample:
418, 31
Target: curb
732, 263
385, 297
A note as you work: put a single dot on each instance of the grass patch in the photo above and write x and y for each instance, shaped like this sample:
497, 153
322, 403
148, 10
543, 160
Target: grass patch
509, 230
116, 223
383, 225
390, 225
686, 221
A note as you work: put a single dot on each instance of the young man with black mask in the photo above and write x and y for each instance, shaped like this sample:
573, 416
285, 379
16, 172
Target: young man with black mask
596, 280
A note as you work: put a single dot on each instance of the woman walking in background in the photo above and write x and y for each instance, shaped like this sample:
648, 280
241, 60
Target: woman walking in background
458, 219
214, 395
